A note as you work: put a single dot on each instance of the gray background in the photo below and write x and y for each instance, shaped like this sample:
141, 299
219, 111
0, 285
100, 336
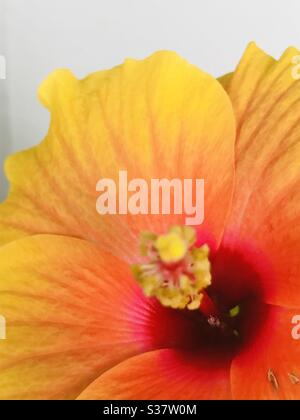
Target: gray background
37, 36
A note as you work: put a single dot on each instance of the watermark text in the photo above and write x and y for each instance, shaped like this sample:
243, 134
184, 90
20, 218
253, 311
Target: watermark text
2, 328
157, 196
296, 328
2, 67
296, 67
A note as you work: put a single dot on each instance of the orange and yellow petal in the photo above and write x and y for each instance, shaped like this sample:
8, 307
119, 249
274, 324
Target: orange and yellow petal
268, 369
266, 205
72, 312
164, 374
156, 118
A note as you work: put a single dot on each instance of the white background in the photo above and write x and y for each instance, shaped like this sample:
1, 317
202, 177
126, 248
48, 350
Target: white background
37, 36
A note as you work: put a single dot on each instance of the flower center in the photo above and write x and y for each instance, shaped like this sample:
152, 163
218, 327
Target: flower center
176, 272
218, 295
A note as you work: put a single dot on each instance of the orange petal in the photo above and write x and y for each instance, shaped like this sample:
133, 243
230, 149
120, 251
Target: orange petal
156, 118
266, 205
268, 369
164, 374
72, 312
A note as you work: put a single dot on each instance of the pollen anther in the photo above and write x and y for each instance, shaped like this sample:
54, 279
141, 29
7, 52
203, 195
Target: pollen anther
176, 271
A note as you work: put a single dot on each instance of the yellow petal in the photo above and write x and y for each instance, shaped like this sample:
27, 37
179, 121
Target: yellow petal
156, 118
266, 206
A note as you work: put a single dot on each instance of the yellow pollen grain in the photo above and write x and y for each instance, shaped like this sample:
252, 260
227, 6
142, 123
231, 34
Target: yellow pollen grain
171, 247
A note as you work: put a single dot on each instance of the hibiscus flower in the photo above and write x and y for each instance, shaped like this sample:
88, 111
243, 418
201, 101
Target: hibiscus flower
211, 318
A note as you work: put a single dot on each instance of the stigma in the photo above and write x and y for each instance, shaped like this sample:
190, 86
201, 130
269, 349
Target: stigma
175, 271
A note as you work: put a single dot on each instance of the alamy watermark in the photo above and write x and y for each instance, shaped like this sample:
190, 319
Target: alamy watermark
296, 67
157, 196
296, 327
2, 67
2, 328
2, 77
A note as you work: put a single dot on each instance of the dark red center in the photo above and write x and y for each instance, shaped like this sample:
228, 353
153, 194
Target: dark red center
237, 281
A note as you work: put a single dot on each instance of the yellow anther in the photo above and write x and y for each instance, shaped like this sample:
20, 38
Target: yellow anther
171, 247
177, 271
195, 303
185, 232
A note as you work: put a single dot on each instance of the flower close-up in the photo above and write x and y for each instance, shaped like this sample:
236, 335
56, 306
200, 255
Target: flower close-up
143, 304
